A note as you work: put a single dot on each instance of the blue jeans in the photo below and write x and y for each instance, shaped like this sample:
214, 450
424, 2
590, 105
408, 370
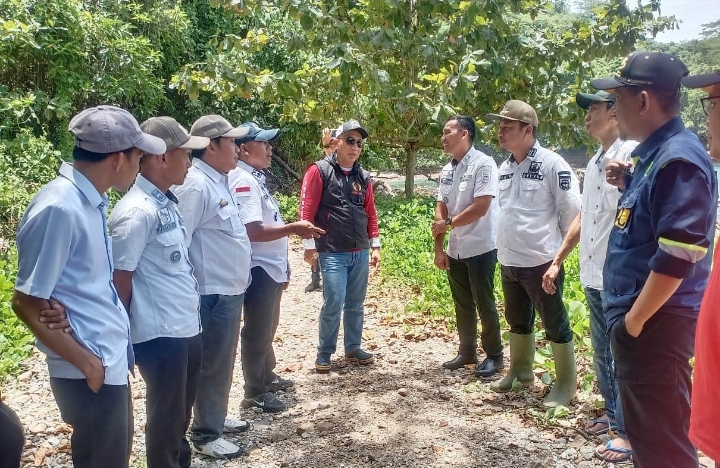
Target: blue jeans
345, 277
220, 317
603, 359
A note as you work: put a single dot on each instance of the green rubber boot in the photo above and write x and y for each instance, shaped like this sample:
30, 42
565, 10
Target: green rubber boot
522, 355
566, 382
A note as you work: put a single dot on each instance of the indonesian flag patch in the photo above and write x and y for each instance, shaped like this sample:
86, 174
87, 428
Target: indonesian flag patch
242, 191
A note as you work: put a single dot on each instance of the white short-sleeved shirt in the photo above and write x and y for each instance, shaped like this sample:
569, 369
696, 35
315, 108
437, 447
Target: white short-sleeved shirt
256, 204
219, 246
64, 253
475, 175
599, 207
539, 199
148, 239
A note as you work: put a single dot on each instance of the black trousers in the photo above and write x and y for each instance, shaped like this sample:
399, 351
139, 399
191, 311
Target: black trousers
472, 285
12, 438
653, 374
102, 422
522, 287
170, 368
261, 317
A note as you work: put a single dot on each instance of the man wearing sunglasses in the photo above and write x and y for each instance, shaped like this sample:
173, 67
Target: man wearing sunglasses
337, 197
705, 413
657, 263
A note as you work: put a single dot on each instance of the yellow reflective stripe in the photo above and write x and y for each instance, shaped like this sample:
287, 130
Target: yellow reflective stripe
693, 247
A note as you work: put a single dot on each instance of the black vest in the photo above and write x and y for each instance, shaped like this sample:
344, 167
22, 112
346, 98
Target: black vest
342, 212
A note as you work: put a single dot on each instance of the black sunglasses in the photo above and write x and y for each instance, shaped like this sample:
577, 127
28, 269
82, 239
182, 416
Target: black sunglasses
707, 104
352, 141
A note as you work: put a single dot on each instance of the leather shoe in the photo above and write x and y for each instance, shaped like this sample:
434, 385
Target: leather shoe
460, 360
488, 367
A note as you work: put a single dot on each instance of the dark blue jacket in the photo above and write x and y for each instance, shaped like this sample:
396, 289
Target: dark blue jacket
665, 223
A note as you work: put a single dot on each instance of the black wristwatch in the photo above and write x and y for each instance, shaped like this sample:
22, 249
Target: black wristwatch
448, 221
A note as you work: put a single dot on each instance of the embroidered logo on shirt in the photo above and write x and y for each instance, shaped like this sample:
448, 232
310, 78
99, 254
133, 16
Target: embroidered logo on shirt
175, 256
564, 180
535, 167
506, 176
158, 195
165, 220
485, 176
356, 188
622, 218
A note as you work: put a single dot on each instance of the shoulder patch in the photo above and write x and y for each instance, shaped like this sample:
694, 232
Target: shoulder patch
564, 180
242, 191
485, 175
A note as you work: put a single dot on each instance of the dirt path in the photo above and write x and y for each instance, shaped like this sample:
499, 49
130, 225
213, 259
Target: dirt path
403, 411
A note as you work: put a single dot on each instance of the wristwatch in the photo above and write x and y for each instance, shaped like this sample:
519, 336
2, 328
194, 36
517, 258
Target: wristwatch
448, 221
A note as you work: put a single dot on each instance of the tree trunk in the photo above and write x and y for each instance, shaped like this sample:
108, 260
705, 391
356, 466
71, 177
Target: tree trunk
410, 156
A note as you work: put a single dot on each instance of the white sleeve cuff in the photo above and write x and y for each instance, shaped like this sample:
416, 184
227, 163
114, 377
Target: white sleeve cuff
375, 242
309, 244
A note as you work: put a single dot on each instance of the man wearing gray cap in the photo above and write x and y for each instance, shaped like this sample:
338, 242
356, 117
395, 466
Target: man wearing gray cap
539, 199
270, 272
154, 280
591, 229
64, 255
337, 196
658, 258
219, 252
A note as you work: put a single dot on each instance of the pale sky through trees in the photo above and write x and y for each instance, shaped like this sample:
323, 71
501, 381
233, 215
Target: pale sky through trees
692, 13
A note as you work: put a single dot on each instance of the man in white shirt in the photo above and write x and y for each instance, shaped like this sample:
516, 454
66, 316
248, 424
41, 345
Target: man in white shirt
467, 204
591, 229
539, 198
270, 271
220, 255
64, 255
154, 280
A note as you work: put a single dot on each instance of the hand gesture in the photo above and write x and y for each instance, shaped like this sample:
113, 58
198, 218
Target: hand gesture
615, 172
307, 230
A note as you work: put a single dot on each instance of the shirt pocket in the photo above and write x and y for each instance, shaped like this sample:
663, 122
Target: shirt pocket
171, 249
229, 218
531, 193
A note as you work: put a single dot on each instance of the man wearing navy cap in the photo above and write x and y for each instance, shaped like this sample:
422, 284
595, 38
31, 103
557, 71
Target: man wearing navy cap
705, 414
270, 270
591, 230
64, 255
657, 260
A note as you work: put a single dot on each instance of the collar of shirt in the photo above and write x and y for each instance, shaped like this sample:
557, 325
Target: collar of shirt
208, 170
85, 186
647, 148
531, 154
150, 188
257, 174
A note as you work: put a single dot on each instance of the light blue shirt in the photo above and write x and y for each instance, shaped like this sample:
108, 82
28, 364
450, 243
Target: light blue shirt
64, 253
148, 238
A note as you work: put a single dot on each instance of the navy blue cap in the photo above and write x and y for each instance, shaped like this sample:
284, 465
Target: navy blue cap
642, 68
255, 133
702, 81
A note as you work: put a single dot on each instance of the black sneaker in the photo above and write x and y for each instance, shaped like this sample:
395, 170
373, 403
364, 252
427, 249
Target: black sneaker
278, 383
266, 402
360, 356
322, 363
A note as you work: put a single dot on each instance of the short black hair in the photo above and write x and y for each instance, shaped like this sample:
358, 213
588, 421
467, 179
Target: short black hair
465, 122
199, 153
669, 98
80, 154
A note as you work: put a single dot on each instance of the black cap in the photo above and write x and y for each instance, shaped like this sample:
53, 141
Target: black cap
642, 68
585, 99
702, 81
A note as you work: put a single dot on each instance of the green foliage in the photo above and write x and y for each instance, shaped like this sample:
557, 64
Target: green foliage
16, 342
289, 205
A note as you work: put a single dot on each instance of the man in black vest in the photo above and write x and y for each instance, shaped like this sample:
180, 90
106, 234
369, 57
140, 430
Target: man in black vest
337, 197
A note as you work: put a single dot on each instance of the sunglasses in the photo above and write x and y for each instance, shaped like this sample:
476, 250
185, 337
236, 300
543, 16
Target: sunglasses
707, 104
352, 141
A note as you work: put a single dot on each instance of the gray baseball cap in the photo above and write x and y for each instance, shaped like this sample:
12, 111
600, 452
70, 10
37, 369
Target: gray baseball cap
349, 126
213, 126
173, 134
108, 129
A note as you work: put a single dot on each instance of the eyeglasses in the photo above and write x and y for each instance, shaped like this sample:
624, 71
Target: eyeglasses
708, 104
352, 141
